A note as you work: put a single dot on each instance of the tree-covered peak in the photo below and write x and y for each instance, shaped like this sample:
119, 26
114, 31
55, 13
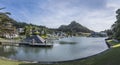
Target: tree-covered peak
74, 27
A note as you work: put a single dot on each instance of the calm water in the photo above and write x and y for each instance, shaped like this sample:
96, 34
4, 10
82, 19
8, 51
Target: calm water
63, 50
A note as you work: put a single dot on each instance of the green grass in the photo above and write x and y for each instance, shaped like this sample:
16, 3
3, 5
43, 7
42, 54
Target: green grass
8, 62
111, 42
109, 57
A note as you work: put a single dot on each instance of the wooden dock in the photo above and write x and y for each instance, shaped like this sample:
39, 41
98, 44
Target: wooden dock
13, 43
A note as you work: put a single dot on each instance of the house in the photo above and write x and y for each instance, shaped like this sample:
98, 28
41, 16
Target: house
20, 30
36, 38
98, 34
9, 31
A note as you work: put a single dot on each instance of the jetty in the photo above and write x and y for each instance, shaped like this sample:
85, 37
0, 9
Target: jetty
33, 41
24, 44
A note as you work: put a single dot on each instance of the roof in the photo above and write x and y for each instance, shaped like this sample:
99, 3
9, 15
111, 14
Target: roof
37, 39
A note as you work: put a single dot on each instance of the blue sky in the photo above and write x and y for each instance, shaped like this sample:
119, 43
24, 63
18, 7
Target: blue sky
97, 15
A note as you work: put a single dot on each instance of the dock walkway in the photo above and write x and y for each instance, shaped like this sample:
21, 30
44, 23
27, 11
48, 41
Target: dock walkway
18, 43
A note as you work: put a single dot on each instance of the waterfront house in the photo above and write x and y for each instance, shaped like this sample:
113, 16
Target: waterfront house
9, 31
36, 38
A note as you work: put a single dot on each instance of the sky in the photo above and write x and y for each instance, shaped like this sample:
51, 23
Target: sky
96, 15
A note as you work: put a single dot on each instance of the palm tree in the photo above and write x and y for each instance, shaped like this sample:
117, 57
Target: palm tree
2, 8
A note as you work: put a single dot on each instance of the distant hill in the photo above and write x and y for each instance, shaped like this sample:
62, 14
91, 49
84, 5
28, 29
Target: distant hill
74, 27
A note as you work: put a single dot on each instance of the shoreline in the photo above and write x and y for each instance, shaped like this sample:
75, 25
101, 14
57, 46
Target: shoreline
108, 44
54, 62
47, 62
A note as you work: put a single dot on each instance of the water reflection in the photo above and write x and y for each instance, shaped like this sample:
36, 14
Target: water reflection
63, 42
8, 51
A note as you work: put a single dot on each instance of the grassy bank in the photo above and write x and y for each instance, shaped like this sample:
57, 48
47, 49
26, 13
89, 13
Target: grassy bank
110, 57
8, 62
113, 43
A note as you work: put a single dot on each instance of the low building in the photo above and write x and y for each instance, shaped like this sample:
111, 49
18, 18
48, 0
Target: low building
98, 34
20, 30
9, 31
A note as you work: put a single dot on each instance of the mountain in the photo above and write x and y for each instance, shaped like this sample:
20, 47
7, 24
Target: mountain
74, 27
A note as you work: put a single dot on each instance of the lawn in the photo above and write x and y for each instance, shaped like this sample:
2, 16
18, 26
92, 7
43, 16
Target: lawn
8, 62
113, 43
109, 57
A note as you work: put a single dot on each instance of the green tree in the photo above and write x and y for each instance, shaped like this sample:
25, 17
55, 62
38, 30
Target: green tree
116, 26
5, 23
35, 30
2, 8
28, 30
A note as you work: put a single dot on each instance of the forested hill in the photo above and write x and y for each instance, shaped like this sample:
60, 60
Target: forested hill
5, 18
74, 27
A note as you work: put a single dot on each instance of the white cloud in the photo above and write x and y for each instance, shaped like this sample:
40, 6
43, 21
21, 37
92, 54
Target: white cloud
61, 13
99, 20
113, 4
94, 14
